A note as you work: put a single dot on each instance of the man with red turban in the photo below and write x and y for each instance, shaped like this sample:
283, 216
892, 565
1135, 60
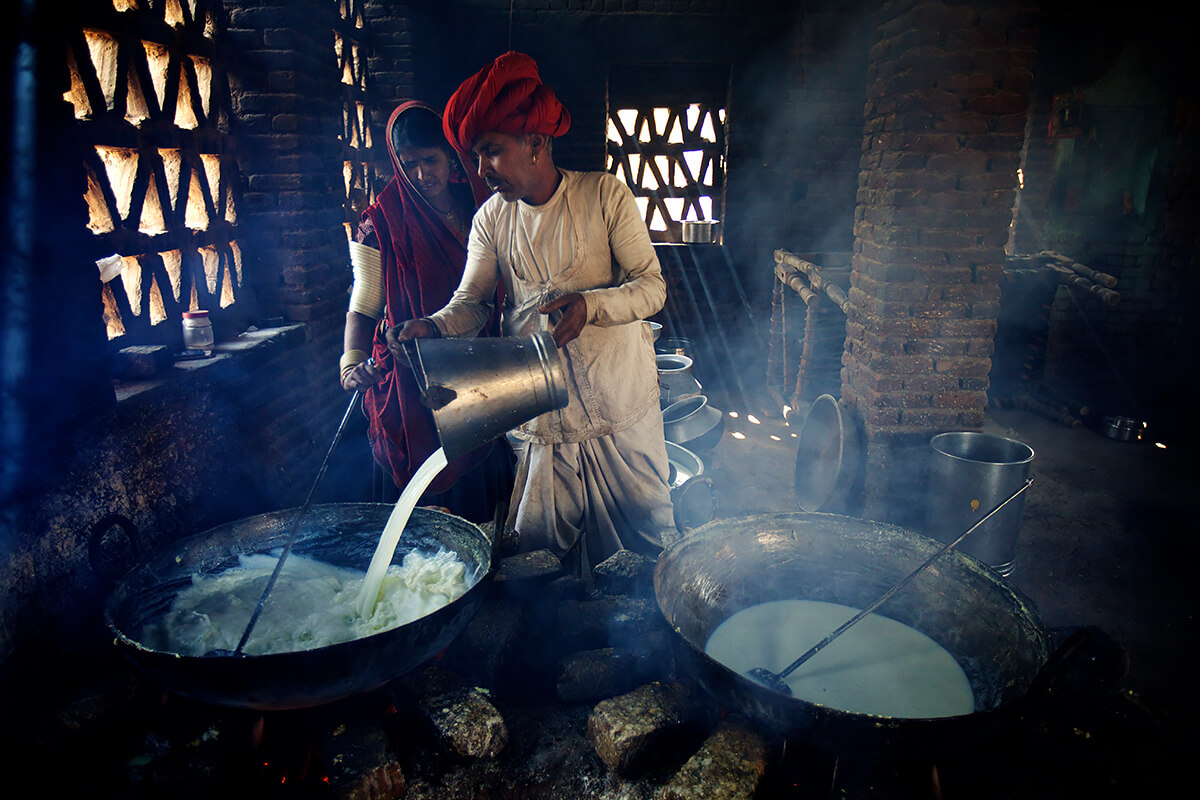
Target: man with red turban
575, 258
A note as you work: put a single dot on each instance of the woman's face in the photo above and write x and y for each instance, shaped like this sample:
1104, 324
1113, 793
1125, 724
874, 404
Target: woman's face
428, 168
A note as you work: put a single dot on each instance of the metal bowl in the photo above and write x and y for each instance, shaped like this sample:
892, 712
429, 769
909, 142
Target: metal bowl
685, 464
675, 345
828, 458
693, 423
1123, 429
342, 534
703, 231
730, 564
675, 379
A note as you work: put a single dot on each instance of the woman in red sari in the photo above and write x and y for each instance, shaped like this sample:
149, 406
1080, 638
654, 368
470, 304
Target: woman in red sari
408, 258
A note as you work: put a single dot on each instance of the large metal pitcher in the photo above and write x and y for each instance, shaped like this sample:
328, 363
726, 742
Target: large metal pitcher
479, 389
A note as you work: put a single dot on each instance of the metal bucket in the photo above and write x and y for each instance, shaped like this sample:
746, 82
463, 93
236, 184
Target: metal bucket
970, 475
478, 389
675, 379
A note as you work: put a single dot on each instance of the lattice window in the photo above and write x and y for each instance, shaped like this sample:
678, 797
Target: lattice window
152, 100
666, 138
673, 158
361, 179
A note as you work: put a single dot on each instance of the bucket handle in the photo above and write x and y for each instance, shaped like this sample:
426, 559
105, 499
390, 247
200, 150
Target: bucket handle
432, 397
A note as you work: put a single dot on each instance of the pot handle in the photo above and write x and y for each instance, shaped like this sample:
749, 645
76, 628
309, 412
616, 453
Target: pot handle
112, 546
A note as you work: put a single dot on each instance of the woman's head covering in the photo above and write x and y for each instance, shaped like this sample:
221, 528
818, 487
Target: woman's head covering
460, 158
506, 96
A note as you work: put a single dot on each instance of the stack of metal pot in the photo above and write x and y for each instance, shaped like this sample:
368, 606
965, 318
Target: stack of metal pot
688, 418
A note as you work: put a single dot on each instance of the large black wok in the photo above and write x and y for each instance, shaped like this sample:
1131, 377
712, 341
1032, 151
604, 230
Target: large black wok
344, 534
727, 565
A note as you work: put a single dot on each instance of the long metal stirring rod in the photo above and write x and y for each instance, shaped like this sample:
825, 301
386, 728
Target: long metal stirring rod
883, 598
296, 522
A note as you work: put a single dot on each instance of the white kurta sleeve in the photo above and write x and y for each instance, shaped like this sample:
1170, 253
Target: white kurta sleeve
470, 306
640, 291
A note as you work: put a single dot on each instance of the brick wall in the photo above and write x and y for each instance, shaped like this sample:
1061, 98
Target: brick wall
203, 442
945, 111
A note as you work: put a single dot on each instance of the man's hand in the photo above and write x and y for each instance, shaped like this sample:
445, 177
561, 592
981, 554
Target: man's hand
574, 317
413, 329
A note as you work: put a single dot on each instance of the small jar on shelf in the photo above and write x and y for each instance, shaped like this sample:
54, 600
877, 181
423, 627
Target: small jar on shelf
198, 333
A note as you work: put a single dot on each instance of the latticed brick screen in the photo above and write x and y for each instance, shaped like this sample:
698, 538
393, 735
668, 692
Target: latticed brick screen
673, 158
362, 179
149, 89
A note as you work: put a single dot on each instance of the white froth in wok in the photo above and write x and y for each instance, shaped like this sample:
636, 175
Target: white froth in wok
312, 604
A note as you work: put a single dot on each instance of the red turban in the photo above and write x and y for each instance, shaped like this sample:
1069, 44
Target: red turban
506, 96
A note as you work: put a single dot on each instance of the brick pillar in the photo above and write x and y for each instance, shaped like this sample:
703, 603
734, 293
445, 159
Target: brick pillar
945, 110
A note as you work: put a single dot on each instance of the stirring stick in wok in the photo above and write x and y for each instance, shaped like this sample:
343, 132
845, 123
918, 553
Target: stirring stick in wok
296, 523
775, 680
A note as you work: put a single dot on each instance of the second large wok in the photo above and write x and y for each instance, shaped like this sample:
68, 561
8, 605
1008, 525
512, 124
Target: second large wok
992, 631
343, 534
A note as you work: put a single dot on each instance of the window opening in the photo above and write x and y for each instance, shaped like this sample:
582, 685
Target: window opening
673, 158
361, 180
151, 97
666, 138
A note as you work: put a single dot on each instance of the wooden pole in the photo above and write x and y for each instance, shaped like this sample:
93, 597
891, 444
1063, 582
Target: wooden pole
815, 279
1102, 278
774, 345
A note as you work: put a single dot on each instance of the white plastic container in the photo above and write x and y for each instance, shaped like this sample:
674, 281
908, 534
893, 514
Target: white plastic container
198, 332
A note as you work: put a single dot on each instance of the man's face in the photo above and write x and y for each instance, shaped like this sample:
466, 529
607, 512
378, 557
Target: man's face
505, 163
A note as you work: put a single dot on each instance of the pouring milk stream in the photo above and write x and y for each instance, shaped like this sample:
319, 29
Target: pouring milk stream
369, 594
478, 389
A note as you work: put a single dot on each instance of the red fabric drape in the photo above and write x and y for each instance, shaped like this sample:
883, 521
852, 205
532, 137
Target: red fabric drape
506, 96
422, 266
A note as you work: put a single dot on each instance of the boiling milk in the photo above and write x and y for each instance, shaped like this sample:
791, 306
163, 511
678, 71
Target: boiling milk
878, 666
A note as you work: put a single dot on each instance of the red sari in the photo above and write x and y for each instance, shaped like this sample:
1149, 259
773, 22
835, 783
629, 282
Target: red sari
422, 266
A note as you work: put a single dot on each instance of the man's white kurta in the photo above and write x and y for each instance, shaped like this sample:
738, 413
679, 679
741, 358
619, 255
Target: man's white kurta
587, 238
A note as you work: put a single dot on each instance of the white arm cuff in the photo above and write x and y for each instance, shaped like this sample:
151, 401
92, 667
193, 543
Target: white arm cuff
366, 297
